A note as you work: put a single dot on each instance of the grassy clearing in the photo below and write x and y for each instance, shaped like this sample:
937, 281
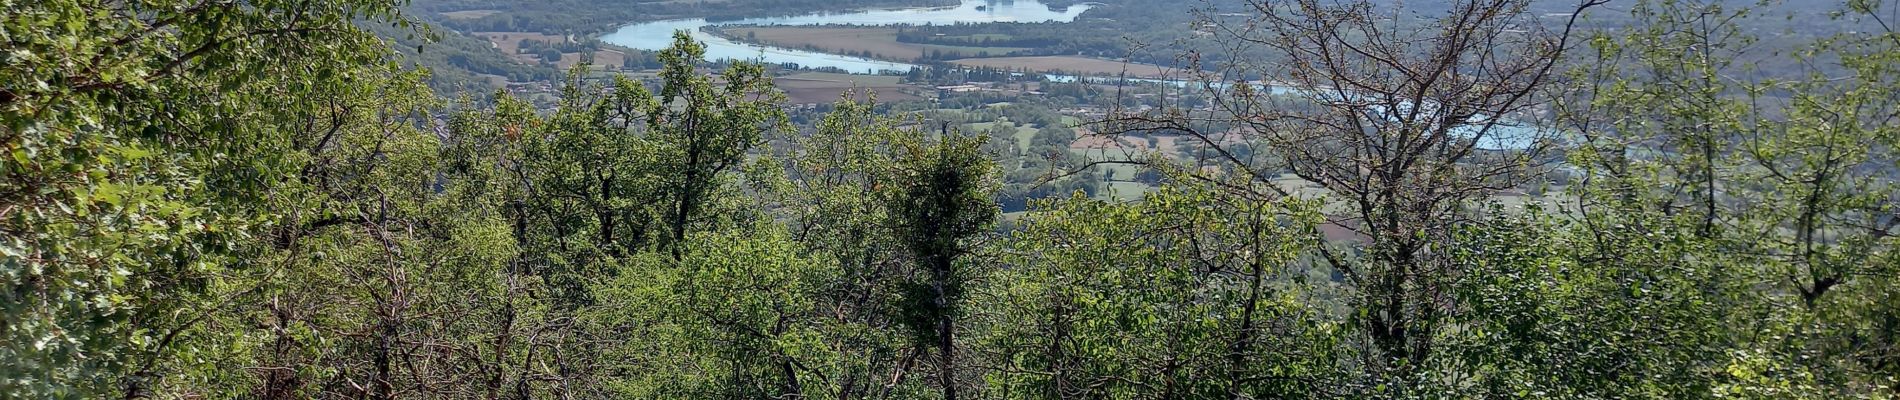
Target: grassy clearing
1169, 145
1117, 172
1111, 145
604, 58
1124, 191
1023, 135
1015, 216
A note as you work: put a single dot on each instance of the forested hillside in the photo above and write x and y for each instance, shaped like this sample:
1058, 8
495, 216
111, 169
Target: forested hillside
205, 199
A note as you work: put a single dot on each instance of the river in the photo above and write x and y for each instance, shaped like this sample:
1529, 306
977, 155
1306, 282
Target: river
657, 35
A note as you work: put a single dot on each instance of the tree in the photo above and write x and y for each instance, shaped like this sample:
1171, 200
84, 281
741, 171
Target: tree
799, 301
713, 132
841, 179
208, 200
945, 202
141, 138
1402, 122
1789, 177
1181, 294
378, 266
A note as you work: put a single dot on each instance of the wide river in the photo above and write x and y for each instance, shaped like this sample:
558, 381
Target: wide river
657, 35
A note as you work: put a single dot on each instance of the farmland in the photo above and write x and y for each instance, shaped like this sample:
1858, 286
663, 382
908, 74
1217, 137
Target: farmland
871, 42
607, 58
469, 14
1072, 64
881, 43
820, 87
1021, 135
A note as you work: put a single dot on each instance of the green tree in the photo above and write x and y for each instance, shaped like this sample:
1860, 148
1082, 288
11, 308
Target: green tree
1188, 292
141, 140
943, 204
841, 178
1788, 179
711, 134
1399, 125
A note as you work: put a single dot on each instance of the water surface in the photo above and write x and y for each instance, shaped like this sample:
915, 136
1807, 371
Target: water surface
657, 35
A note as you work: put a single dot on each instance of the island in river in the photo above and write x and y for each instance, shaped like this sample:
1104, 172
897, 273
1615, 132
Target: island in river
865, 41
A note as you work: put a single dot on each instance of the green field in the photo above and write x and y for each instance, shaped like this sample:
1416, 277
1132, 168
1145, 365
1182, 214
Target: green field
1118, 172
1124, 191
1023, 136
1024, 133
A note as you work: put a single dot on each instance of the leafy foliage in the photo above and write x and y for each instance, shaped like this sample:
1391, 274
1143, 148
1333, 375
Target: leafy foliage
255, 200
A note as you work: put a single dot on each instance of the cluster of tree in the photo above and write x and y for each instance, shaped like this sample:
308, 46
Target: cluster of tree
1043, 168
973, 100
1077, 92
456, 61
252, 201
551, 52
530, 45
1727, 236
1162, 32
943, 72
